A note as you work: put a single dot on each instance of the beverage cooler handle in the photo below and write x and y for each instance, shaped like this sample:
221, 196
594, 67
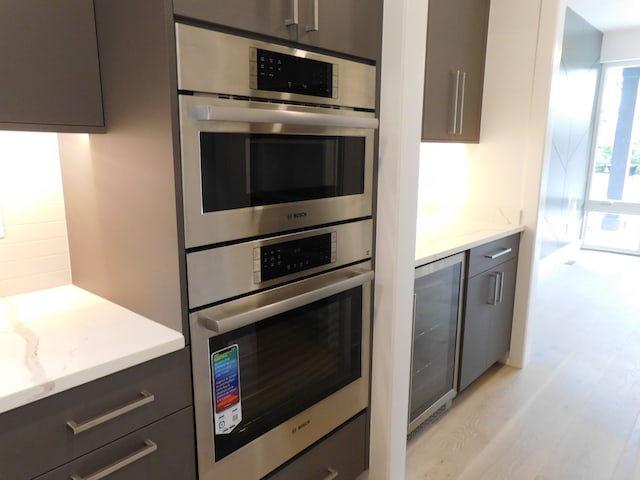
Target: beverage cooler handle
249, 317
256, 115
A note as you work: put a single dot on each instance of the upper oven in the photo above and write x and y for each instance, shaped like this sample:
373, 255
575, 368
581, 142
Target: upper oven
273, 138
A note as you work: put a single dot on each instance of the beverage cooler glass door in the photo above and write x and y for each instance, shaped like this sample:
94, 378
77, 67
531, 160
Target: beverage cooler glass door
437, 312
281, 369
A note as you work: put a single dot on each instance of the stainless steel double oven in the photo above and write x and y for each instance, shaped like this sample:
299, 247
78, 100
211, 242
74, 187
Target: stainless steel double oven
277, 162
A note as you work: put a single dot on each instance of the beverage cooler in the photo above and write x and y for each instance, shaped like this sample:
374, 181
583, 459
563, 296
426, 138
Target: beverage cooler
437, 312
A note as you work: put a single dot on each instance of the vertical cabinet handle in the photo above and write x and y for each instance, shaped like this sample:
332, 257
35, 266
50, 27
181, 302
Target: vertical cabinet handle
149, 448
493, 299
461, 108
453, 116
294, 18
77, 428
331, 475
456, 116
316, 25
501, 287
498, 288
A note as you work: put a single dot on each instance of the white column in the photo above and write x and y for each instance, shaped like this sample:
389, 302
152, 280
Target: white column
403, 53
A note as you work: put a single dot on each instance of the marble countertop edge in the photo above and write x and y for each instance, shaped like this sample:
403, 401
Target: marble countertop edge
91, 373
56, 339
437, 243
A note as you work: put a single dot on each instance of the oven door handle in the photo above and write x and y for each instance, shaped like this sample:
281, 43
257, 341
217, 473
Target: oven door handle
256, 115
227, 323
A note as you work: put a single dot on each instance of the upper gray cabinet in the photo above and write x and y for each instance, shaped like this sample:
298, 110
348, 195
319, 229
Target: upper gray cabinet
454, 70
348, 26
275, 18
49, 62
352, 27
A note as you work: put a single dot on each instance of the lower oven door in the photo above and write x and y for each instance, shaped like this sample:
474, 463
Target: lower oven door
276, 371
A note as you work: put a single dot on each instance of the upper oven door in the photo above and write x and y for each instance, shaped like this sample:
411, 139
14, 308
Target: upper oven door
254, 168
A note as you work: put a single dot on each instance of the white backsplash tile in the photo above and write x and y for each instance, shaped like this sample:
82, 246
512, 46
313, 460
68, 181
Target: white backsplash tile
34, 254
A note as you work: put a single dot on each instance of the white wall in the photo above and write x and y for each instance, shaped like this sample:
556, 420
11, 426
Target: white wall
502, 174
403, 53
34, 253
621, 45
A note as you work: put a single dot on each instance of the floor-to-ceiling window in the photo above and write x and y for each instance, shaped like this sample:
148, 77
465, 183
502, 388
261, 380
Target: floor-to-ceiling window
613, 208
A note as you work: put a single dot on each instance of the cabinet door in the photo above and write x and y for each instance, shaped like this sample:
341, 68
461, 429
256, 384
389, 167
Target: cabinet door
352, 27
266, 18
499, 338
454, 70
163, 450
478, 311
487, 321
49, 61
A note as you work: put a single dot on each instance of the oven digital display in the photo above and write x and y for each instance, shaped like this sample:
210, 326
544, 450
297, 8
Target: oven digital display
285, 258
278, 72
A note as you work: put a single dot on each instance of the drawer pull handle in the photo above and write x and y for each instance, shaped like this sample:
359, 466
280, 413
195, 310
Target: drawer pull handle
331, 475
502, 252
100, 419
149, 448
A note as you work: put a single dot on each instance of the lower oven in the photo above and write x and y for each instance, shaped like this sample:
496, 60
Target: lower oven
278, 369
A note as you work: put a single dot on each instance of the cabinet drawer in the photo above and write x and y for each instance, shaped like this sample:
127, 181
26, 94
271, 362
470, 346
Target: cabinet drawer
342, 452
162, 451
493, 253
37, 437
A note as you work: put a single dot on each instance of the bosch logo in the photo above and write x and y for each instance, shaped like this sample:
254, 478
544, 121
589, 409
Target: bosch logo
300, 427
296, 215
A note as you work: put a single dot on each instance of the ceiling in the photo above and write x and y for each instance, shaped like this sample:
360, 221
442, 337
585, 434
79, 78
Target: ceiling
608, 15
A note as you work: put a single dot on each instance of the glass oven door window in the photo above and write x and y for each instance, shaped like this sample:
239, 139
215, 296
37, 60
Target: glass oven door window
288, 362
246, 170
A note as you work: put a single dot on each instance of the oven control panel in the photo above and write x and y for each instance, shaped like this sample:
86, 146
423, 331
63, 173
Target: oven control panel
280, 72
282, 259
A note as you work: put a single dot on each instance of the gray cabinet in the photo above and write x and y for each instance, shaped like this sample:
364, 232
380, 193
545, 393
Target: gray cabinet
488, 307
49, 61
341, 455
51, 432
349, 26
352, 27
274, 18
454, 70
436, 322
161, 451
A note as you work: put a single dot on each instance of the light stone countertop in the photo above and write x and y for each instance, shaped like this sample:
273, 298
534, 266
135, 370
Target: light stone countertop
438, 238
56, 339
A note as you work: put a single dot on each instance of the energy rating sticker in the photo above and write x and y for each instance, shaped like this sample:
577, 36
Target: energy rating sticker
225, 372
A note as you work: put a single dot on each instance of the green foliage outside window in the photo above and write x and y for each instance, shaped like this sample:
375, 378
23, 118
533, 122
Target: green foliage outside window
603, 159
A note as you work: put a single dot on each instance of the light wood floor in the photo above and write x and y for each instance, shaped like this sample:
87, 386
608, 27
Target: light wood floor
574, 411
